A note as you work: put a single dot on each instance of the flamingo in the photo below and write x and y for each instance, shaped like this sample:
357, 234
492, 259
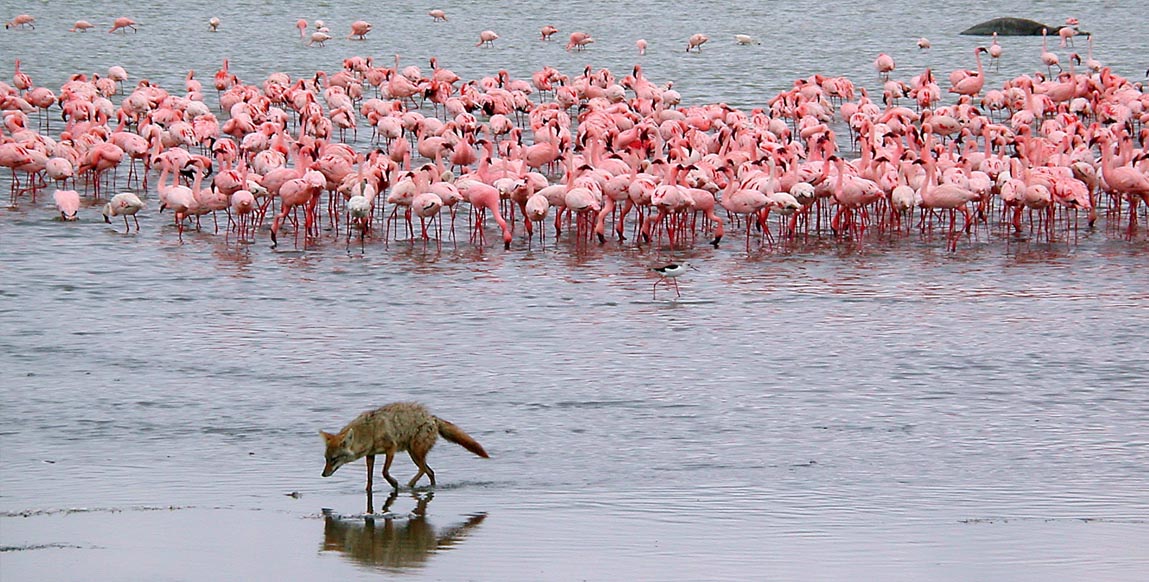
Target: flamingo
243, 205
59, 169
579, 40
81, 26
903, 198
438, 15
359, 30
213, 24
119, 75
884, 64
319, 37
947, 197
483, 198
180, 199
641, 44
924, 44
1067, 33
696, 41
20, 79
426, 205
971, 85
488, 38
99, 159
123, 23
745, 39
68, 203
1049, 59
995, 52
123, 204
1125, 181
21, 21
535, 210
1093, 64
851, 193
297, 192
737, 199
548, 31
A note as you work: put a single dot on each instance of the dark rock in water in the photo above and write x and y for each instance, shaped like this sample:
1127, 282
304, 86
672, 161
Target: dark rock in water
1009, 27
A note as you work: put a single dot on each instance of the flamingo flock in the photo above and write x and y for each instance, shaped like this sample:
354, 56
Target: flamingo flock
589, 155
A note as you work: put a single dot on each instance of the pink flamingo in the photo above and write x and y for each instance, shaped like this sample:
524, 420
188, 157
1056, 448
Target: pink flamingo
99, 159
301, 24
359, 30
438, 15
995, 52
672, 201
548, 31
971, 85
119, 75
484, 198
319, 37
177, 197
298, 192
1067, 33
21, 21
854, 193
737, 199
123, 23
535, 211
426, 205
1125, 181
68, 203
947, 197
696, 41
243, 206
20, 79
213, 24
641, 44
1063, 91
59, 169
1049, 59
81, 26
583, 198
402, 194
579, 40
42, 98
884, 64
487, 37
1093, 64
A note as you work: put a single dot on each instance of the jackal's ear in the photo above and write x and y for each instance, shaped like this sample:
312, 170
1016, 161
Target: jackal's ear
349, 436
326, 436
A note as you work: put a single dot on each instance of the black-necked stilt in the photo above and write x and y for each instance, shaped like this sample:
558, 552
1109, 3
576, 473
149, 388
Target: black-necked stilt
670, 273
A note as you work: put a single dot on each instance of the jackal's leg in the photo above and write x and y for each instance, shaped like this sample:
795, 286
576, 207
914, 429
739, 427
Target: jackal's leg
387, 470
420, 460
370, 470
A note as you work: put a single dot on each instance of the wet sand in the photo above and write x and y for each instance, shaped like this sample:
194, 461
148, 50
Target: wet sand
458, 535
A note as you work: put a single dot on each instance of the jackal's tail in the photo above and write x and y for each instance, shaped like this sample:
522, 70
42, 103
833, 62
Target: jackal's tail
457, 436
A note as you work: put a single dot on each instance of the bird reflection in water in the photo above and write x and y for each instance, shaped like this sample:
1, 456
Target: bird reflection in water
397, 543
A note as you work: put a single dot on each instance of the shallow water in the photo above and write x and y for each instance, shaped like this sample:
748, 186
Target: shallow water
815, 411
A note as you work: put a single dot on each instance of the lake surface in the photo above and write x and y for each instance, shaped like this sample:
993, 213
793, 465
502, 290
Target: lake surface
814, 411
